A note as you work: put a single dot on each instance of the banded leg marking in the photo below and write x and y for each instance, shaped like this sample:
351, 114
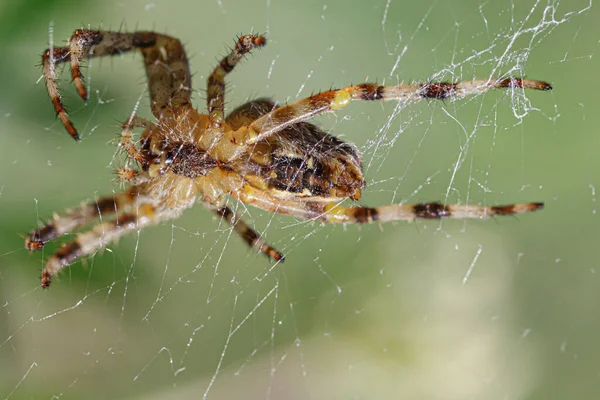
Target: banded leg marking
81, 216
88, 242
250, 236
216, 80
335, 213
290, 114
166, 66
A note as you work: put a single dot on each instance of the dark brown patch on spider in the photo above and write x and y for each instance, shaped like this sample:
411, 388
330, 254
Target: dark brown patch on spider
67, 253
514, 209
226, 213
106, 205
143, 40
86, 37
370, 92
58, 54
125, 219
213, 80
438, 91
188, 160
227, 67
39, 237
315, 176
294, 175
524, 84
64, 256
306, 159
365, 215
432, 210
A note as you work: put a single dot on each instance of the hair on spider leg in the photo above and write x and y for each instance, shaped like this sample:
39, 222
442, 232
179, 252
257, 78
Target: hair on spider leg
125, 175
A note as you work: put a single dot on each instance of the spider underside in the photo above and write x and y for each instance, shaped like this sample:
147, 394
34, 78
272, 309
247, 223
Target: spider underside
261, 154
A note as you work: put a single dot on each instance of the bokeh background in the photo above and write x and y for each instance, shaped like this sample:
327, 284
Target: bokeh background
497, 309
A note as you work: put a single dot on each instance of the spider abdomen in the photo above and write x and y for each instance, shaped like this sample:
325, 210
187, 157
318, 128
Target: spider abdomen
315, 177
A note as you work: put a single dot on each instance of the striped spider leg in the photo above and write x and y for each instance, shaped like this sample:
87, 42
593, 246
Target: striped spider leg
167, 69
238, 142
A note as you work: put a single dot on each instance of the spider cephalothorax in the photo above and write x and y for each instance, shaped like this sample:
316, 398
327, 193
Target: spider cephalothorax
261, 154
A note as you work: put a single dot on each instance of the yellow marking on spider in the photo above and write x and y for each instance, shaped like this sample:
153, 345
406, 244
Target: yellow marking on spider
335, 210
341, 99
148, 210
252, 134
248, 192
155, 170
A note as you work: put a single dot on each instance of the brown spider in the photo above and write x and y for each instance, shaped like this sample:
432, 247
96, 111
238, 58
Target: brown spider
261, 154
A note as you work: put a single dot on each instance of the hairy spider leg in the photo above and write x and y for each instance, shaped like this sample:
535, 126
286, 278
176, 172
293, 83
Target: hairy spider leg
88, 242
336, 213
127, 142
331, 212
169, 78
216, 81
249, 235
236, 143
88, 212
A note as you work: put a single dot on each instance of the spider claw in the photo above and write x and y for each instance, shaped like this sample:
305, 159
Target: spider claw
81, 90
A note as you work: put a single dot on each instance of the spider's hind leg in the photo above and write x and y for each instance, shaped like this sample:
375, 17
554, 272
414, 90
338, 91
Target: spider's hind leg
100, 235
88, 212
250, 236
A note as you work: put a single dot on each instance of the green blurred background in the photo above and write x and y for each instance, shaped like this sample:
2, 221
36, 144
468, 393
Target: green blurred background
503, 309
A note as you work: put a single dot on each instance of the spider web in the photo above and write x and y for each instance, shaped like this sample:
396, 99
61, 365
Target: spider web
479, 309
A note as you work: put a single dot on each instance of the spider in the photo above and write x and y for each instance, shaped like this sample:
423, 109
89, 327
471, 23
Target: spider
261, 154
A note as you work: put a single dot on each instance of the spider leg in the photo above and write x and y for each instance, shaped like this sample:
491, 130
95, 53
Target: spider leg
216, 80
213, 187
166, 67
127, 138
87, 243
250, 236
284, 116
336, 213
78, 217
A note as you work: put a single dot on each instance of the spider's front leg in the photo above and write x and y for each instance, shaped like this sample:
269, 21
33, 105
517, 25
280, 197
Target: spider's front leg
216, 81
235, 144
169, 78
